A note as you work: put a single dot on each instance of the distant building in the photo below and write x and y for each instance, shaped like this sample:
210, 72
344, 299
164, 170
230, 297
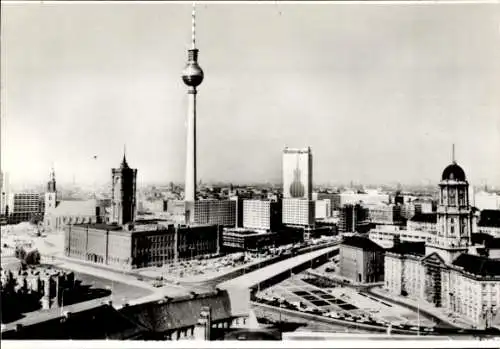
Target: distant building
487, 201
242, 239
25, 206
213, 211
421, 228
425, 222
151, 205
61, 213
297, 173
239, 198
385, 214
262, 214
334, 199
489, 222
323, 209
424, 206
352, 218
371, 198
139, 245
4, 193
361, 260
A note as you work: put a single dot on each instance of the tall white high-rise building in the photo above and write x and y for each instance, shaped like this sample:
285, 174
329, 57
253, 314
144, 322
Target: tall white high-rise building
298, 207
297, 173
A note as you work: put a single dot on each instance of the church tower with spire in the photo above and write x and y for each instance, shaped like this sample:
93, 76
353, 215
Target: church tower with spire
50, 201
192, 76
123, 193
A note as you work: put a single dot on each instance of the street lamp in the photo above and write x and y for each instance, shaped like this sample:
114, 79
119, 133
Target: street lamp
418, 317
62, 301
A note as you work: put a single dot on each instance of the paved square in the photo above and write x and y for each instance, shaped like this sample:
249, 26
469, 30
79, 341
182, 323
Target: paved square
343, 301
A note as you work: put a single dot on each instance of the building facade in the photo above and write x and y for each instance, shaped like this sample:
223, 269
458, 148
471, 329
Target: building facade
297, 173
140, 245
4, 194
361, 260
352, 218
424, 222
447, 271
323, 209
385, 214
298, 212
334, 199
25, 206
242, 239
487, 201
213, 211
387, 235
123, 193
368, 198
262, 214
489, 222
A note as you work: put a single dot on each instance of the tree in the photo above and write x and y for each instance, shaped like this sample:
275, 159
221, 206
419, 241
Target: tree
32, 257
27, 258
20, 253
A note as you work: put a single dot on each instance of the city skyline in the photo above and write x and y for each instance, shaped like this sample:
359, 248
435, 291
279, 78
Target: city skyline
369, 114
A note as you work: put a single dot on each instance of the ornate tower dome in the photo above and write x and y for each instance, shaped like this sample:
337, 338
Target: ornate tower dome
453, 172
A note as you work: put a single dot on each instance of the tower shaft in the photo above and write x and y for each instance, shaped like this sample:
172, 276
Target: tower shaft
190, 183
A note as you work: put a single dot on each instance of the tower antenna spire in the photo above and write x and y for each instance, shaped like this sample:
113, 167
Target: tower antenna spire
124, 161
453, 153
193, 26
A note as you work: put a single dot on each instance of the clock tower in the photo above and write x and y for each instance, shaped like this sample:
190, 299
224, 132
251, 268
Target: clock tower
123, 198
454, 215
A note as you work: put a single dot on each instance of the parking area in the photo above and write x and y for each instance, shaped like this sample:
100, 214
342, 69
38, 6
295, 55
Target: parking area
306, 294
197, 270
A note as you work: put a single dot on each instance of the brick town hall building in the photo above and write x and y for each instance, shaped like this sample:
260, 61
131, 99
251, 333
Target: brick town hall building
125, 243
447, 271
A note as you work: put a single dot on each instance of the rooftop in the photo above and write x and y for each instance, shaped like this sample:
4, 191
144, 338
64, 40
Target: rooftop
489, 218
77, 208
480, 238
248, 232
424, 218
361, 242
413, 248
478, 265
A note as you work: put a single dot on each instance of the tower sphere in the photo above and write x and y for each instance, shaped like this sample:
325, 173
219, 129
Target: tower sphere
192, 75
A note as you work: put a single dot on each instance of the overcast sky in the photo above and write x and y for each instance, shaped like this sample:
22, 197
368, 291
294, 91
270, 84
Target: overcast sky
380, 93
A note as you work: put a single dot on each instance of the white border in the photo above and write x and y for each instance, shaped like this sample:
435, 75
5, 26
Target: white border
260, 2
252, 344
340, 343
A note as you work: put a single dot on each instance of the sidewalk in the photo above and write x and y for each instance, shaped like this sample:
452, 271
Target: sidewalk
347, 282
433, 312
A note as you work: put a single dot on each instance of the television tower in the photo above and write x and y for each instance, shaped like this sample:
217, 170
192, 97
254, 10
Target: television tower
192, 76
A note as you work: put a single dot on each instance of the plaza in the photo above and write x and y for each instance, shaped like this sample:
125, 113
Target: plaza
334, 301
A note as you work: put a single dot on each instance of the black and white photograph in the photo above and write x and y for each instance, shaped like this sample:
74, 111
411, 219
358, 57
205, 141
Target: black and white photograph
282, 171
